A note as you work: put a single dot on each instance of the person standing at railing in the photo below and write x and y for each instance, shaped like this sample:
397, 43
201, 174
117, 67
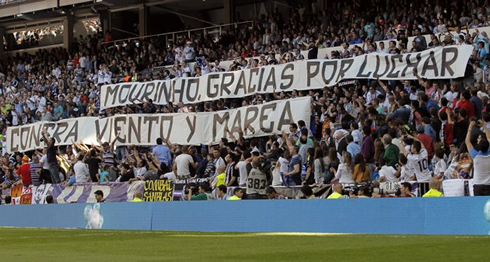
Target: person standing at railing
481, 160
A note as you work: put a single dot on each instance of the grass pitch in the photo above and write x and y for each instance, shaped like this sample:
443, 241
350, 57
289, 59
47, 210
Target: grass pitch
32, 244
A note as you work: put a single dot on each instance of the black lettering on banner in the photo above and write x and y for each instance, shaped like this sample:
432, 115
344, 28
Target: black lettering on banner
271, 79
119, 126
312, 70
445, 64
24, 134
150, 120
410, 64
225, 84
34, 136
286, 117
164, 119
392, 73
192, 84
167, 88
49, 126
236, 122
72, 134
345, 65
261, 76
334, 64
14, 133
254, 72
149, 89
241, 84
158, 94
378, 65
100, 132
60, 129
363, 67
178, 88
111, 91
191, 125
286, 76
221, 121
264, 115
430, 64
123, 96
133, 128
213, 89
250, 119
133, 98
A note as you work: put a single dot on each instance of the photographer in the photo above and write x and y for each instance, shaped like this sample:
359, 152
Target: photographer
202, 192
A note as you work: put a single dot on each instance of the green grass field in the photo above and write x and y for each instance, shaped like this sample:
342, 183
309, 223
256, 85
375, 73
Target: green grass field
29, 244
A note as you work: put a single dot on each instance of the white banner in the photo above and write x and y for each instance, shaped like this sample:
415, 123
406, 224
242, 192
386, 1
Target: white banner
438, 63
181, 128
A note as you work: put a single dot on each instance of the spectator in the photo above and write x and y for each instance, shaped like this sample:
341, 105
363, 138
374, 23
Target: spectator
481, 176
256, 182
82, 173
162, 152
222, 190
99, 196
272, 194
24, 171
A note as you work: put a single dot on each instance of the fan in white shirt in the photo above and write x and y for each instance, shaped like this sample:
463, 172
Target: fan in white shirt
418, 159
387, 173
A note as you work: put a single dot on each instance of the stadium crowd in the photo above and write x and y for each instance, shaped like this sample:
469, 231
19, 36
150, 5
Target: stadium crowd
361, 134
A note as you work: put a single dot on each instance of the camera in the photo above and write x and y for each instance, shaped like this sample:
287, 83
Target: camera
191, 186
41, 139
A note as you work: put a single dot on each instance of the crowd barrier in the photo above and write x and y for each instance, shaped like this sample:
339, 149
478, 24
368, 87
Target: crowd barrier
455, 216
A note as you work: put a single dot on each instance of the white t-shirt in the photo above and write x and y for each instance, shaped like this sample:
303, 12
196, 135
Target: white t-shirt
407, 173
183, 161
44, 160
242, 169
344, 175
139, 172
440, 167
420, 165
81, 172
42, 104
481, 170
389, 173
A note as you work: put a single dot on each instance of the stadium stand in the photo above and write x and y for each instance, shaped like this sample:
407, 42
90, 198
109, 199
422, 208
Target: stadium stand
376, 138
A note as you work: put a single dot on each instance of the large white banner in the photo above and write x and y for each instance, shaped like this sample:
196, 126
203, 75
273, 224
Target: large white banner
179, 128
438, 63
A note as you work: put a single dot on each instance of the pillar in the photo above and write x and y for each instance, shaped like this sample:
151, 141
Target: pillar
2, 46
68, 32
143, 20
229, 6
105, 20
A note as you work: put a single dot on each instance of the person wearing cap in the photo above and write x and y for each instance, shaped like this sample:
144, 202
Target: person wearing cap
99, 196
24, 171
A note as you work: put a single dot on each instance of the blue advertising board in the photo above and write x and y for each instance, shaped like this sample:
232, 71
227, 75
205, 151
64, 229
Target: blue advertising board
457, 215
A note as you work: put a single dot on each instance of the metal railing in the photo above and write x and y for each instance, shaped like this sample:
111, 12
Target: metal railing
7, 2
177, 35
